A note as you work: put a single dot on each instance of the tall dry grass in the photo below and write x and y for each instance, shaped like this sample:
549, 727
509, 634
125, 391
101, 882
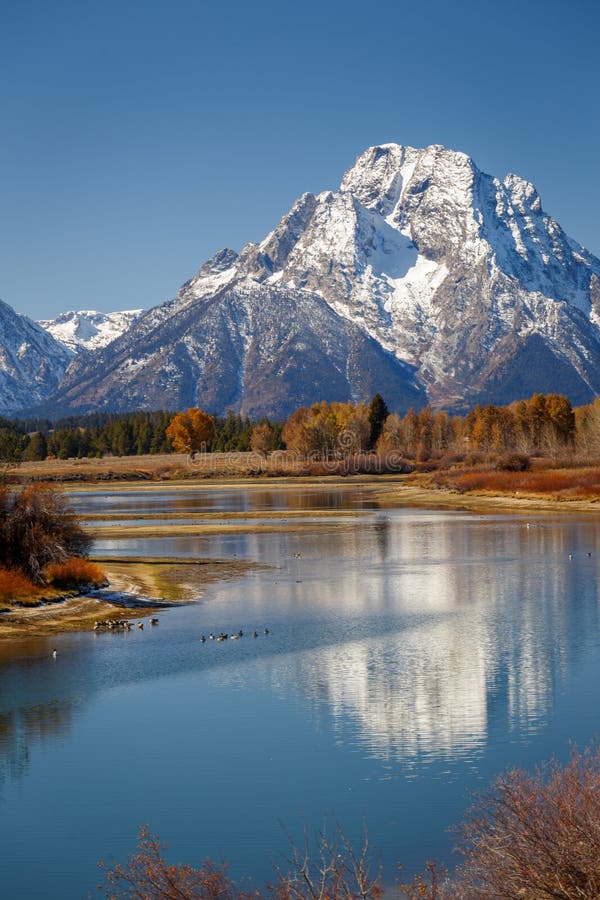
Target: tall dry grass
15, 587
557, 483
74, 573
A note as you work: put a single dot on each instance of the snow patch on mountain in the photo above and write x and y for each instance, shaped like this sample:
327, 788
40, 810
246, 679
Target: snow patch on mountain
88, 329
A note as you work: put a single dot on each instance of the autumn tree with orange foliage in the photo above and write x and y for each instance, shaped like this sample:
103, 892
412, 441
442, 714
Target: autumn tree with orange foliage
587, 430
546, 423
328, 430
263, 439
191, 431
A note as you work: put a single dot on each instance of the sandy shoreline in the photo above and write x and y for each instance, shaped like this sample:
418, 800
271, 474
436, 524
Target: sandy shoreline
125, 532
137, 588
414, 494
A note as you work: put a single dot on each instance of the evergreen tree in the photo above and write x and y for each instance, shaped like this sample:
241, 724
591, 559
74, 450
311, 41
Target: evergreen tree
378, 413
36, 449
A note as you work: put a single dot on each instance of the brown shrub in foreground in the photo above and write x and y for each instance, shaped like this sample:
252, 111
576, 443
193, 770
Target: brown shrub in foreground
37, 529
74, 573
535, 836
334, 873
147, 876
14, 586
531, 837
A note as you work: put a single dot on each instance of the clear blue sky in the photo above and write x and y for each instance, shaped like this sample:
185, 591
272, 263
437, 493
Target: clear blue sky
139, 136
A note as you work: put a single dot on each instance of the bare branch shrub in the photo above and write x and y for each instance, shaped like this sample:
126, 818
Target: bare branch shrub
531, 837
536, 836
37, 529
148, 876
333, 872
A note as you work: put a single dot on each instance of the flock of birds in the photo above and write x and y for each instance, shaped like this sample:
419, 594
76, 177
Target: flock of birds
126, 625
223, 636
120, 625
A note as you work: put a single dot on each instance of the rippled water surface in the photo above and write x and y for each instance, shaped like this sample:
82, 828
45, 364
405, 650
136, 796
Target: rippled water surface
412, 655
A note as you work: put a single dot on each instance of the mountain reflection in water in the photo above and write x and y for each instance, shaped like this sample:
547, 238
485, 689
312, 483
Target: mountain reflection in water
412, 656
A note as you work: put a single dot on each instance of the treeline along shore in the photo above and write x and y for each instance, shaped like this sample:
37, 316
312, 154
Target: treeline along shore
539, 446
544, 424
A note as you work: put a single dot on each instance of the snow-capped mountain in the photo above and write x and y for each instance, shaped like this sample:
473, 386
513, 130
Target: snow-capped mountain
32, 363
87, 329
421, 277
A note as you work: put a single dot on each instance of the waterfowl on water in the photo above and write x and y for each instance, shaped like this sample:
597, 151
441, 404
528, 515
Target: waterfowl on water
154, 621
266, 631
255, 634
202, 638
54, 654
113, 625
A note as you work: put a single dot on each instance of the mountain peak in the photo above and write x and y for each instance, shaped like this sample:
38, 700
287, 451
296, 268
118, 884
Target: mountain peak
421, 277
221, 261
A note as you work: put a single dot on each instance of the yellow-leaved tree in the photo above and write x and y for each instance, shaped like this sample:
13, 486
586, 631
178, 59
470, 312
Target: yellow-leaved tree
191, 431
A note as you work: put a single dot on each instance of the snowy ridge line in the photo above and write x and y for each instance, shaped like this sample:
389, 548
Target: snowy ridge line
421, 277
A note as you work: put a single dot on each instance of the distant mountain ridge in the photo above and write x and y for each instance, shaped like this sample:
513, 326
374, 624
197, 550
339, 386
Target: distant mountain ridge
421, 277
88, 329
32, 362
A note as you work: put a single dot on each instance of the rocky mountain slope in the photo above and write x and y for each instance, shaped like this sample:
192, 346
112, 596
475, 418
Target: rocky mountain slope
87, 329
32, 362
246, 347
421, 277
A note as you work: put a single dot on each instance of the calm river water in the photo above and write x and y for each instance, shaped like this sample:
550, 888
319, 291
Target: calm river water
412, 655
